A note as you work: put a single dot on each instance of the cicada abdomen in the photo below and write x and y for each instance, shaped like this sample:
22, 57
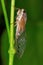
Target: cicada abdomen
20, 32
21, 45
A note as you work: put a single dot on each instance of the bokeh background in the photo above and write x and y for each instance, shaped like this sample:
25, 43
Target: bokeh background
33, 54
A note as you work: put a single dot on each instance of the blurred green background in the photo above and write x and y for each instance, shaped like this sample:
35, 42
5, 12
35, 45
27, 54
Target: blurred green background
33, 54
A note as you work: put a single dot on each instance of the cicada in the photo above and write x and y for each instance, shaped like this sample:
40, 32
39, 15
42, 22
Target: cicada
21, 19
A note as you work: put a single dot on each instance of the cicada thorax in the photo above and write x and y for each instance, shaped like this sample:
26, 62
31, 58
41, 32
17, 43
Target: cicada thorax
20, 33
20, 28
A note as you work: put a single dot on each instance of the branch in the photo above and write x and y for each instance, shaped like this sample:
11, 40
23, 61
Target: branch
11, 49
5, 16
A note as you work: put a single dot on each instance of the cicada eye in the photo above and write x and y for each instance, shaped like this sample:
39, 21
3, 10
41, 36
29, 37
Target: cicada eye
24, 11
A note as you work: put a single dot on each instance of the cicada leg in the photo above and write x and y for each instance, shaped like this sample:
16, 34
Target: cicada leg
14, 24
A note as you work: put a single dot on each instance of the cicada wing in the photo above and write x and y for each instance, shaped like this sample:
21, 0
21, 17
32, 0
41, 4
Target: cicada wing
21, 45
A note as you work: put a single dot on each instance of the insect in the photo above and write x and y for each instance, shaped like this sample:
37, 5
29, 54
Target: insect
20, 31
20, 22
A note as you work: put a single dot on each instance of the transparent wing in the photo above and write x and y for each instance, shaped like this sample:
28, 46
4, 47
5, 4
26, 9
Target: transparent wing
21, 45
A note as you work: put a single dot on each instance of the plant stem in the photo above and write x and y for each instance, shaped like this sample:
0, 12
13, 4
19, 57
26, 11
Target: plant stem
11, 49
5, 16
11, 32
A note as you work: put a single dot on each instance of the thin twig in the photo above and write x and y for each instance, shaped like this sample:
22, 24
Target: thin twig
5, 16
11, 49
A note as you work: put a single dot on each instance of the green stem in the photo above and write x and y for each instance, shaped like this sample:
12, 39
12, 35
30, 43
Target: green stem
11, 36
5, 16
11, 49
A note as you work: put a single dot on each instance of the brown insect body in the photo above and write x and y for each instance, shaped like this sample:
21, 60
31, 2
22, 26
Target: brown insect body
20, 22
